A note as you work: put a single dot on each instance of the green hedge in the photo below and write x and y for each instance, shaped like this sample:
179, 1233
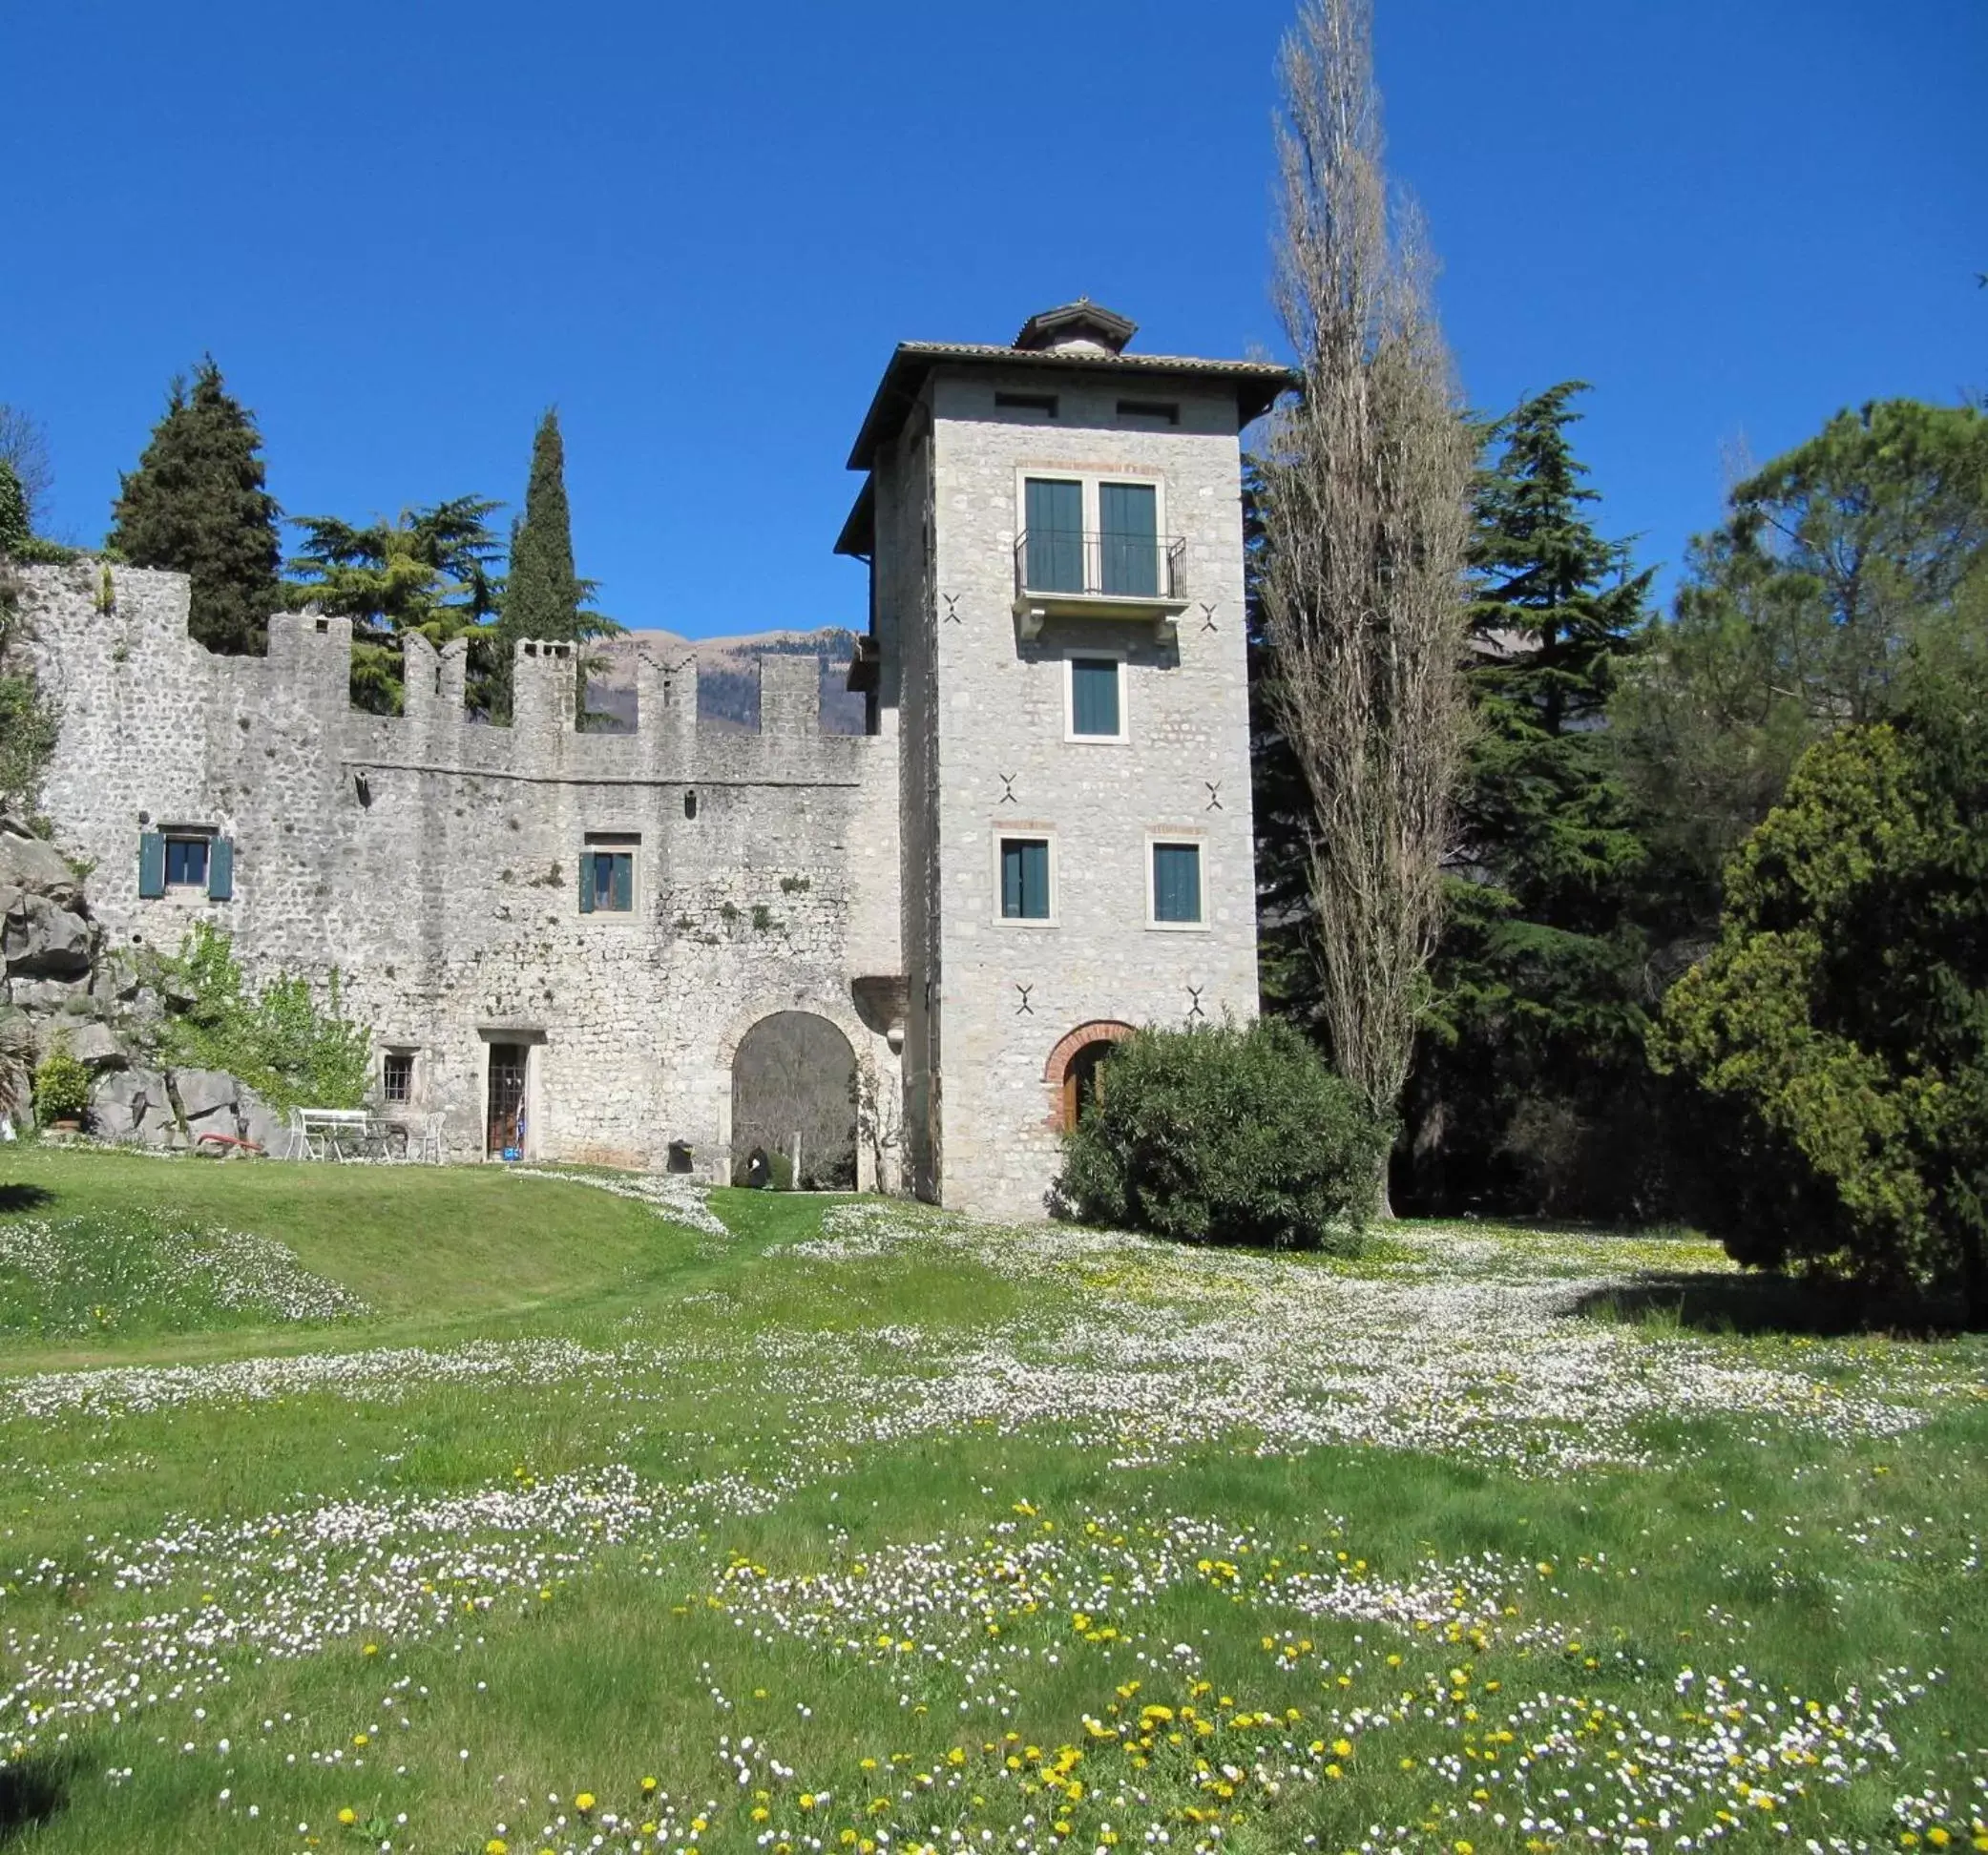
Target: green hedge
1223, 1135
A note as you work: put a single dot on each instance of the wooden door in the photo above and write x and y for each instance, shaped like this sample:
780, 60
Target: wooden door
507, 1099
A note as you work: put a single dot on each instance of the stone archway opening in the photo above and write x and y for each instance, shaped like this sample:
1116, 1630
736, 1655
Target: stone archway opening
1075, 1070
794, 1100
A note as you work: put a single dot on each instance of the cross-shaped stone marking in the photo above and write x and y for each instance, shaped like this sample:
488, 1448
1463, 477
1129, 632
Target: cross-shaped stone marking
952, 617
1214, 787
1194, 1007
1008, 780
1207, 618
1024, 1009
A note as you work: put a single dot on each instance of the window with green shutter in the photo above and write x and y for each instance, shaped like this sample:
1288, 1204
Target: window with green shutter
1128, 518
607, 872
1177, 882
186, 861
1025, 879
1053, 515
152, 865
1094, 697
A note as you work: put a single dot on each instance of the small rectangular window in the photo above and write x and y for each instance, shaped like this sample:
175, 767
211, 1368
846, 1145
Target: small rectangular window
186, 861
1095, 712
1177, 882
1153, 411
1025, 879
1042, 402
608, 880
397, 1078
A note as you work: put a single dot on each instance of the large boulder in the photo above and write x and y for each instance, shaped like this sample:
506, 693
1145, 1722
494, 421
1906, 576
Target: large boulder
28, 863
209, 1099
94, 1045
133, 1105
40, 938
263, 1125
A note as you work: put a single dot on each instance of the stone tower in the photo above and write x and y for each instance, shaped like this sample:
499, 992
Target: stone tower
1054, 530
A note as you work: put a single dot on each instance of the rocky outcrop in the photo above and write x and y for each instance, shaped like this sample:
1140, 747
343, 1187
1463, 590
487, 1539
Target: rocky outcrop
49, 948
55, 985
174, 1107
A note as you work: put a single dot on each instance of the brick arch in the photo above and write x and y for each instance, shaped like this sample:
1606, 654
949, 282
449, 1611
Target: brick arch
1062, 1105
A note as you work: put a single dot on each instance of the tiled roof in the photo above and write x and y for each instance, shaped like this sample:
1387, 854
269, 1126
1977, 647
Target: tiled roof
1258, 382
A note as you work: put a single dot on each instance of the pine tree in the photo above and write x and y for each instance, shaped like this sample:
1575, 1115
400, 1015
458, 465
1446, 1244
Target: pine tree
1536, 1021
543, 596
426, 571
196, 504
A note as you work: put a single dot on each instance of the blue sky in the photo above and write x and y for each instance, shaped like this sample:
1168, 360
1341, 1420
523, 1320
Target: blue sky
405, 229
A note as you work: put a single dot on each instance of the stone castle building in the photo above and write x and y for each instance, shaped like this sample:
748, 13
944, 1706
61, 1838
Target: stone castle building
563, 939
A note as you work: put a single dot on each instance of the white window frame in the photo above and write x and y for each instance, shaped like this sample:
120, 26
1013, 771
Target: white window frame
1089, 476
171, 834
1150, 877
1117, 653
614, 844
1003, 829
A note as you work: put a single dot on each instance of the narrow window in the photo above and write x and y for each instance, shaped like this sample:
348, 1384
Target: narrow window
1150, 411
1025, 879
1094, 697
1176, 882
1042, 402
397, 1078
1054, 513
607, 873
186, 861
1129, 523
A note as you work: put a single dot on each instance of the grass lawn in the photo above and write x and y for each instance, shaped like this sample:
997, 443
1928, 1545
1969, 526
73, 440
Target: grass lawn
448, 1511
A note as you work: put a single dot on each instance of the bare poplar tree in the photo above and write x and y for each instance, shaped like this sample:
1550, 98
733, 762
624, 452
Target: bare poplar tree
1365, 479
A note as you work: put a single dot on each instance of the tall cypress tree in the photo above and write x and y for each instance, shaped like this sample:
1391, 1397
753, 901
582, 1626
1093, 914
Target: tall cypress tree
197, 505
543, 596
1533, 1051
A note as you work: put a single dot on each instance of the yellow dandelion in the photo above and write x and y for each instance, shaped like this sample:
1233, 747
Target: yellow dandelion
584, 1802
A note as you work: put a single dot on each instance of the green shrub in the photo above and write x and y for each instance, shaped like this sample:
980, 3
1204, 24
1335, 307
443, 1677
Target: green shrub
279, 1040
61, 1086
1224, 1135
1839, 1029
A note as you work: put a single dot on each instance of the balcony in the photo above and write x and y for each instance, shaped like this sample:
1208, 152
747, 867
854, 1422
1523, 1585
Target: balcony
1092, 573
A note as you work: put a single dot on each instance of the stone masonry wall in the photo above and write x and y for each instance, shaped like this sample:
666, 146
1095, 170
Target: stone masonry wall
433, 861
1009, 991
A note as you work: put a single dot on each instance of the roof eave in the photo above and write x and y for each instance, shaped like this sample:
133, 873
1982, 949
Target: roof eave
1257, 383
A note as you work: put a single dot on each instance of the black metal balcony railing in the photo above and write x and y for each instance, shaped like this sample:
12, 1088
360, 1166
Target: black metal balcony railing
1070, 563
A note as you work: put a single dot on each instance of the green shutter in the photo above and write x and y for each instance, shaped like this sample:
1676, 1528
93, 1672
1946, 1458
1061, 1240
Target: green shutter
220, 870
622, 877
1035, 880
1054, 511
152, 863
1128, 515
1093, 695
1024, 879
1176, 882
586, 882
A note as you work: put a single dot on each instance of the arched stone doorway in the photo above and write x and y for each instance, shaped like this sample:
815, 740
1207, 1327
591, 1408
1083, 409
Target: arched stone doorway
793, 1092
1076, 1069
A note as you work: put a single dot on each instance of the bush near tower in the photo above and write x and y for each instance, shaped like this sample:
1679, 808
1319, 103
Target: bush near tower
1226, 1135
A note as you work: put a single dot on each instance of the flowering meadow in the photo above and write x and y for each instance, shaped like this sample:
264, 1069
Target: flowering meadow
456, 1511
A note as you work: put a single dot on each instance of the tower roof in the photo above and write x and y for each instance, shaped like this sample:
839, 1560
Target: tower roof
1079, 336
1080, 325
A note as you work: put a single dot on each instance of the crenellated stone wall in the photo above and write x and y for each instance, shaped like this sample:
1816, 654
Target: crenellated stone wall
432, 859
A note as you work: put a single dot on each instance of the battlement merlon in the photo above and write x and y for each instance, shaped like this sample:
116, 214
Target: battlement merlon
141, 645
